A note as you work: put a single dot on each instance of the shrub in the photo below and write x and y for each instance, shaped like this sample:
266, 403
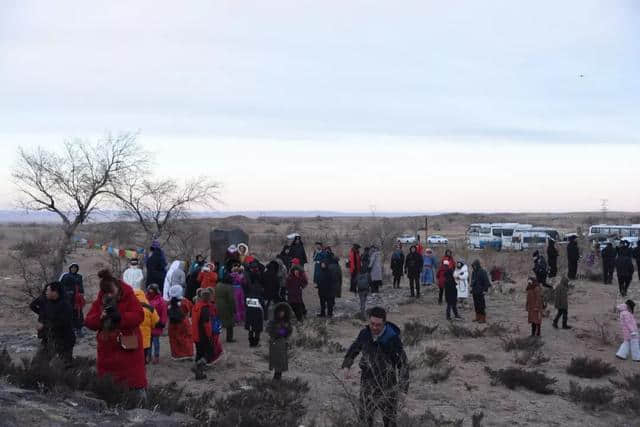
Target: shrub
631, 401
440, 375
428, 419
415, 331
517, 377
476, 419
527, 343
471, 357
496, 329
460, 331
585, 367
590, 397
261, 402
531, 357
431, 357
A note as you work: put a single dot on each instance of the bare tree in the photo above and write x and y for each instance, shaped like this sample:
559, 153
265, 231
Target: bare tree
76, 182
157, 204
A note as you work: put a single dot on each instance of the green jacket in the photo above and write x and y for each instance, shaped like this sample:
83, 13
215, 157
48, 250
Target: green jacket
225, 304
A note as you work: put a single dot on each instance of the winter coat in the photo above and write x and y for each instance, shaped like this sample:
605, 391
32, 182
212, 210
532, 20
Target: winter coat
375, 266
413, 264
534, 304
207, 279
295, 285
201, 320
159, 304
429, 263
125, 366
271, 281
461, 275
628, 323
562, 296
480, 282
57, 320
156, 269
552, 253
384, 362
397, 263
326, 285
151, 318
635, 253
254, 319
297, 251
449, 258
624, 266
175, 276
355, 261
71, 284
318, 257
279, 331
573, 252
540, 267
450, 288
441, 275
134, 277
225, 304
336, 273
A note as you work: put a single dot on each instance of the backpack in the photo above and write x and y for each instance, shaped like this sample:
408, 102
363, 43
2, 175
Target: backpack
175, 313
362, 283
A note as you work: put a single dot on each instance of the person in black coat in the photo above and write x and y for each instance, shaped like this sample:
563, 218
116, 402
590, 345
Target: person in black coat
297, 250
608, 263
254, 321
326, 290
56, 324
573, 255
413, 265
635, 253
480, 284
624, 267
72, 287
270, 286
384, 368
156, 268
451, 294
540, 269
333, 263
397, 265
552, 257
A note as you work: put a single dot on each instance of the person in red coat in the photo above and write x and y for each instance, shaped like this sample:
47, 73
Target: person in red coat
355, 265
296, 282
201, 328
441, 276
116, 315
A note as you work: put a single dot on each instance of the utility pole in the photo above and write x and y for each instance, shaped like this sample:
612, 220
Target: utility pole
603, 207
426, 229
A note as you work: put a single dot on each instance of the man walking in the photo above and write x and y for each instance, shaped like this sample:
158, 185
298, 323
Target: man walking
479, 285
573, 255
608, 263
384, 370
354, 265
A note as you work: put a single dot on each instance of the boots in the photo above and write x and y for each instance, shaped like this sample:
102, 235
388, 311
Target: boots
482, 318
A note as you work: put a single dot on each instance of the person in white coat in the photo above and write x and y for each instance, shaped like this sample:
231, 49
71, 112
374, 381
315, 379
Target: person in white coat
133, 276
461, 275
175, 276
375, 269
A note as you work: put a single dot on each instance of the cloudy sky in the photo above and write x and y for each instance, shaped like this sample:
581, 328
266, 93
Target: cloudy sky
339, 105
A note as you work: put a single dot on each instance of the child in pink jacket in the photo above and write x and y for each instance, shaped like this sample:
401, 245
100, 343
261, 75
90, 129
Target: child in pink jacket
157, 302
629, 332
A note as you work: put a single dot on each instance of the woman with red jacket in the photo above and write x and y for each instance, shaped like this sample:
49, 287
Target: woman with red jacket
441, 276
355, 264
116, 315
296, 282
201, 326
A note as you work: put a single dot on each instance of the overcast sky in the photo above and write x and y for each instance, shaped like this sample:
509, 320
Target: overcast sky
339, 105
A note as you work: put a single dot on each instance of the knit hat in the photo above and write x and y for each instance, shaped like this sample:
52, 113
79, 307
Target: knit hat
176, 291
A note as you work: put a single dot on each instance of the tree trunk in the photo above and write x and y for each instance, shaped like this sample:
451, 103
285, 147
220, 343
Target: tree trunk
60, 254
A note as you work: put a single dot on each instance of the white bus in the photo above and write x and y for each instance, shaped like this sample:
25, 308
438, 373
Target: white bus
605, 233
529, 238
497, 235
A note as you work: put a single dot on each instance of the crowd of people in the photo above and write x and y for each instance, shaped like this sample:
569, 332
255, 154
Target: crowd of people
197, 303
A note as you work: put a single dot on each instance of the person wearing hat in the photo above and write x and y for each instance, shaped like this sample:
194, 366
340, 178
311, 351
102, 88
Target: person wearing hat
297, 250
133, 276
160, 306
180, 335
629, 328
296, 282
73, 291
55, 328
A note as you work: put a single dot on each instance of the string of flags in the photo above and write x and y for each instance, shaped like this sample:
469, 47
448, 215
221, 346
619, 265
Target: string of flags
120, 252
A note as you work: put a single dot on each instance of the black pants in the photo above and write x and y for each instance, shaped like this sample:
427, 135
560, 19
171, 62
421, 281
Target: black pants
396, 280
326, 305
230, 334
573, 269
535, 329
47, 351
267, 303
608, 268
298, 310
440, 295
542, 279
352, 285
254, 338
204, 349
564, 314
479, 304
452, 307
553, 267
623, 284
372, 399
414, 284
375, 286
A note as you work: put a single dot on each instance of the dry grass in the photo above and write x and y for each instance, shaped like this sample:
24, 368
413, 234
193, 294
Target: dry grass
585, 367
513, 378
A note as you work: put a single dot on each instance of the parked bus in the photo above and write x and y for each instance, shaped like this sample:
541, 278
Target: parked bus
496, 235
529, 239
605, 233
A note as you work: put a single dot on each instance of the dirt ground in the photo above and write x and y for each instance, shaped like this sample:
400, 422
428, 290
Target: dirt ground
468, 389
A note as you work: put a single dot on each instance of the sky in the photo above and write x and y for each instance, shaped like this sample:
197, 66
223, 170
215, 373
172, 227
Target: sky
307, 105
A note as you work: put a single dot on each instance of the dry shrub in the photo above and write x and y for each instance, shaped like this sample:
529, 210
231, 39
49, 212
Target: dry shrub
585, 367
496, 329
476, 419
531, 357
440, 374
460, 331
314, 335
631, 400
590, 397
262, 402
415, 331
430, 357
428, 419
602, 331
517, 377
472, 357
527, 343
